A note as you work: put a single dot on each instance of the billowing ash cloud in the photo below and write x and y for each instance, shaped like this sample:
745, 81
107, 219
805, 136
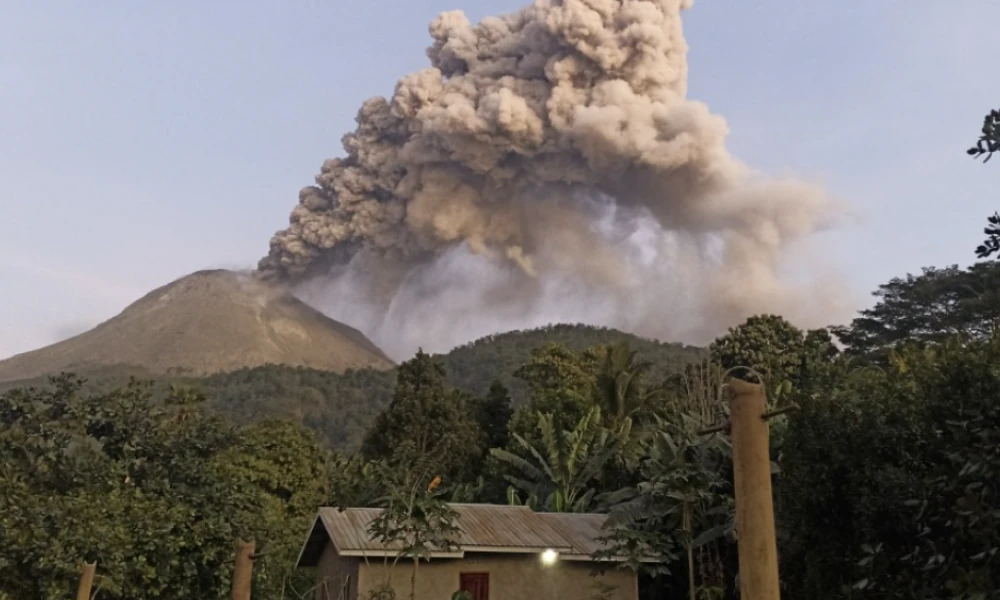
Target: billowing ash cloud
548, 166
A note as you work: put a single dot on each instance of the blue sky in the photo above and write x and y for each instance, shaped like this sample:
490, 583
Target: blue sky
140, 143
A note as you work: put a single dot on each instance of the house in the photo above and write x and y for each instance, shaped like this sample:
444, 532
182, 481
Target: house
504, 553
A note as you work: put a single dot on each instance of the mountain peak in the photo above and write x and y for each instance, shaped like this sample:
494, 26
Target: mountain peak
207, 322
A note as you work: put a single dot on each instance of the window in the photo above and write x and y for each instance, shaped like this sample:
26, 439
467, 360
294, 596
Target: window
477, 584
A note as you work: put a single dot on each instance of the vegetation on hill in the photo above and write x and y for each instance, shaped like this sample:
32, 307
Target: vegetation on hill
341, 406
474, 366
91, 380
886, 480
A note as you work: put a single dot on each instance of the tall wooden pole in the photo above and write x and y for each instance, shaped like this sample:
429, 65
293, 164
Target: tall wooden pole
86, 581
758, 547
243, 573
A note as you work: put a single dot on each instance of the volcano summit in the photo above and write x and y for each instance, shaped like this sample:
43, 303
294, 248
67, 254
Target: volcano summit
206, 322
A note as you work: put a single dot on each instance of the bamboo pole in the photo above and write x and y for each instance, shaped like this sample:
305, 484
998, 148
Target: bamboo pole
758, 548
243, 573
86, 581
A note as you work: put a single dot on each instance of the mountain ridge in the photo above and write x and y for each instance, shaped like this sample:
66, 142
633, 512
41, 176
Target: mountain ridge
340, 406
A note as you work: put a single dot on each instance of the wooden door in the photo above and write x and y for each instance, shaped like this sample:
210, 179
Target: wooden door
477, 584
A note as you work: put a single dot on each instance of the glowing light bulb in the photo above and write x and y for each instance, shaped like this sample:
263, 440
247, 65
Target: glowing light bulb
549, 557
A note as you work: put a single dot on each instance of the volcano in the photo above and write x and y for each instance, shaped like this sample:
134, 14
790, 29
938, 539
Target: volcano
207, 322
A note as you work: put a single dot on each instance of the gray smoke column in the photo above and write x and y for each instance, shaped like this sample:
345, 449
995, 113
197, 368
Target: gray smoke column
548, 166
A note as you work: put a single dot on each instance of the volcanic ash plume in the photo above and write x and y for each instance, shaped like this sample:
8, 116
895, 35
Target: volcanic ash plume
548, 167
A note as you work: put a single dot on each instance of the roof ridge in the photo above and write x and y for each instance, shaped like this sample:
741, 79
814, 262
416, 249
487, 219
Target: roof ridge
517, 506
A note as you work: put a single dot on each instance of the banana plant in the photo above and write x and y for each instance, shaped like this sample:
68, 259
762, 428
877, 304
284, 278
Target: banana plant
618, 387
558, 474
682, 503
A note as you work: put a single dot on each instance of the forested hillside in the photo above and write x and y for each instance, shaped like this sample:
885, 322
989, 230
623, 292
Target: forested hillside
885, 486
474, 366
339, 407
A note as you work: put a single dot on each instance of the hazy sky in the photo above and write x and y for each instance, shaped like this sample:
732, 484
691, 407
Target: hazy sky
142, 141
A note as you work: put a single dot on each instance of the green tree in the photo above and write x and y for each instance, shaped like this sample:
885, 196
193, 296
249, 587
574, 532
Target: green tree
340, 407
560, 381
772, 347
116, 479
561, 384
927, 309
988, 143
991, 245
474, 366
952, 546
851, 460
425, 420
560, 472
416, 520
697, 392
618, 386
356, 482
287, 465
680, 511
989, 139
493, 414
155, 491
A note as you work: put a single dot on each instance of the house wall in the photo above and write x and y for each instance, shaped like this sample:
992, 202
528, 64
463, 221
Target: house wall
336, 577
512, 577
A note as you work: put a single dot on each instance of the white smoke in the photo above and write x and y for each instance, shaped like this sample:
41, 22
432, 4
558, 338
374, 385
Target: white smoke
548, 167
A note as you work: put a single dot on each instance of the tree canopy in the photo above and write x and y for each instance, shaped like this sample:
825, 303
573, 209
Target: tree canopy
986, 145
927, 308
425, 421
157, 493
769, 346
885, 479
889, 484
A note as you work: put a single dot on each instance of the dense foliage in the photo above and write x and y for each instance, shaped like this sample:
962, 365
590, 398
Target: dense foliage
769, 348
156, 494
425, 422
475, 366
927, 309
891, 481
885, 479
341, 407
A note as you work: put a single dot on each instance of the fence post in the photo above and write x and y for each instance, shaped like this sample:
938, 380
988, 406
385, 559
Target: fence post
243, 573
86, 581
758, 551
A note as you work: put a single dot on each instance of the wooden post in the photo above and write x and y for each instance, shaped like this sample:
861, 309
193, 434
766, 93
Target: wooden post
758, 546
86, 581
243, 573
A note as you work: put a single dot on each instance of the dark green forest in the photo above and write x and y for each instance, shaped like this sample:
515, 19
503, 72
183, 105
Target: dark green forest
474, 366
885, 479
340, 407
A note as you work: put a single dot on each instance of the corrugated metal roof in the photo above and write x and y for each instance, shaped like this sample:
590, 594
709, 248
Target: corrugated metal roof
582, 531
484, 528
348, 529
487, 526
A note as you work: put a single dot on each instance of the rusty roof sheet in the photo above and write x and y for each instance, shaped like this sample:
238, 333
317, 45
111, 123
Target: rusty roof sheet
484, 528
